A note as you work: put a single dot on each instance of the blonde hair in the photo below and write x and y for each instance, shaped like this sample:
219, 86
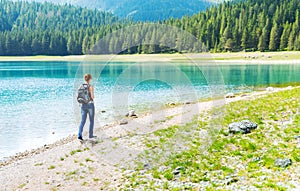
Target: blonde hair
87, 77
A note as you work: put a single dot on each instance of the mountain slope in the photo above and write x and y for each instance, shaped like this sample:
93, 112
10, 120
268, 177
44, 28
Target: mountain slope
150, 10
33, 16
48, 29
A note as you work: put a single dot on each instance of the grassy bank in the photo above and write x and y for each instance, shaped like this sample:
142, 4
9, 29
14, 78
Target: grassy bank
229, 162
239, 56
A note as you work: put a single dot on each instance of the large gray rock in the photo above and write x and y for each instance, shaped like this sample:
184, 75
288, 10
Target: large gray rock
249, 124
243, 127
283, 163
238, 127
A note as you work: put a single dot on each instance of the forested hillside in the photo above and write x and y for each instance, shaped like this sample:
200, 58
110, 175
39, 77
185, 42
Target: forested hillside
35, 28
252, 25
248, 25
264, 25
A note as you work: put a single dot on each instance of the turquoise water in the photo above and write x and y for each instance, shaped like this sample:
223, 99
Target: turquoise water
37, 104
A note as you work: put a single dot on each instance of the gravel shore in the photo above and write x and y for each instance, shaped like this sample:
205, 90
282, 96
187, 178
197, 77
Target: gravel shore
96, 164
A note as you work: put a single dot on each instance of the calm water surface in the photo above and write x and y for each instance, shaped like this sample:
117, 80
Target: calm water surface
37, 105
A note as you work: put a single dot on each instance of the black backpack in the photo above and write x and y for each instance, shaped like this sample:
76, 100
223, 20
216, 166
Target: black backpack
83, 94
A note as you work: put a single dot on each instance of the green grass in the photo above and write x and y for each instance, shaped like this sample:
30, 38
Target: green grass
88, 160
71, 173
273, 139
84, 184
22, 185
75, 151
51, 167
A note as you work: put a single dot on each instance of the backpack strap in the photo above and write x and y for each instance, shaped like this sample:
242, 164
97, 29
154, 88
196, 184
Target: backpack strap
89, 90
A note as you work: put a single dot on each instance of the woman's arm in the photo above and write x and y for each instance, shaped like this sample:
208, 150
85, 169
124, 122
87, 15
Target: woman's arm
91, 89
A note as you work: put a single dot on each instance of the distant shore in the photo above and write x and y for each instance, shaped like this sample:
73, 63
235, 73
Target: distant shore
239, 57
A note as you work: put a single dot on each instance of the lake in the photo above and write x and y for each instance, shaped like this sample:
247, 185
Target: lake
37, 102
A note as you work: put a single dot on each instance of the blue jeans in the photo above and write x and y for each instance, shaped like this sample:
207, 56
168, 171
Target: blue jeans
88, 108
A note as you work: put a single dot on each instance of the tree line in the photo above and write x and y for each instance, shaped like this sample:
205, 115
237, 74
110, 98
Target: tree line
48, 29
263, 25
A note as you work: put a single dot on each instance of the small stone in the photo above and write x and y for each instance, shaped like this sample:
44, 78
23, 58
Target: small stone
172, 104
256, 159
188, 103
270, 89
283, 163
103, 111
230, 95
53, 133
46, 146
147, 166
131, 113
231, 180
123, 121
178, 170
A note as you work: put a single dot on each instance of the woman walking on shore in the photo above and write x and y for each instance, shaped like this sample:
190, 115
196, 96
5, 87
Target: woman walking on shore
86, 98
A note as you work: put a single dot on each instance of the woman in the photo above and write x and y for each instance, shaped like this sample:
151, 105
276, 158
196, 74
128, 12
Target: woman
88, 108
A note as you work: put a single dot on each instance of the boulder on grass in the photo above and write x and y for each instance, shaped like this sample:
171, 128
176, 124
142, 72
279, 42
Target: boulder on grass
283, 163
249, 124
243, 127
238, 127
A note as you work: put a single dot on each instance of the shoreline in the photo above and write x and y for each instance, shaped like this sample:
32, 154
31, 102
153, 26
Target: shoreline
220, 58
70, 138
62, 159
